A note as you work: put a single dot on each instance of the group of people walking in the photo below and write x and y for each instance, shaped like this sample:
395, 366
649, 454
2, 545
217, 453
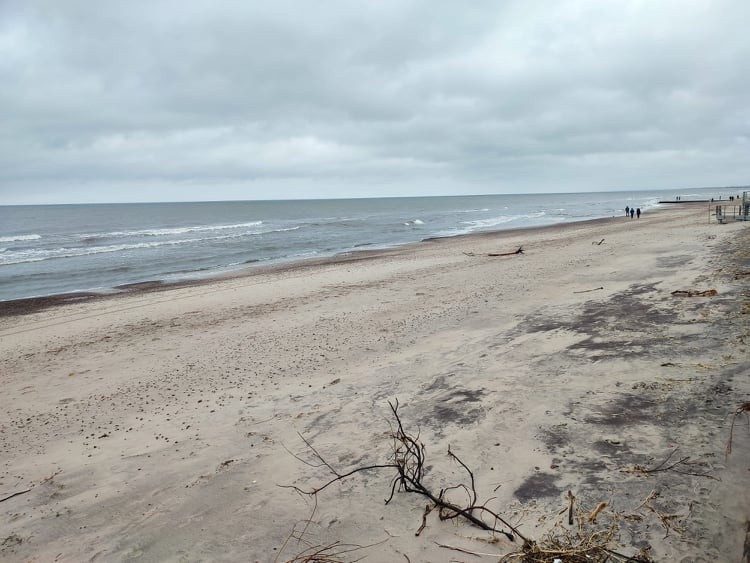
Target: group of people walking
632, 212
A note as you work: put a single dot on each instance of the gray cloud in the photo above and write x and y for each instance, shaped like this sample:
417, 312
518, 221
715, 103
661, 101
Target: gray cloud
163, 100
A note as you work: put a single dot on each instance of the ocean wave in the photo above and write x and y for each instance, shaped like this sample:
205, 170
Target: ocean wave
39, 255
487, 224
17, 238
651, 203
347, 222
168, 231
501, 220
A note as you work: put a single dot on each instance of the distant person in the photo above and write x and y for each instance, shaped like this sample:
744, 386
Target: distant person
627, 210
632, 212
638, 212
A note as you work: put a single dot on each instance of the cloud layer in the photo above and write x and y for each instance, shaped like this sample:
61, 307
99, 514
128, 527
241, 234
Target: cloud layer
170, 100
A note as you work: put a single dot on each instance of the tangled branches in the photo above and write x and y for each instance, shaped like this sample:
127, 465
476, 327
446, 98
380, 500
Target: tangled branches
408, 462
584, 540
331, 553
682, 466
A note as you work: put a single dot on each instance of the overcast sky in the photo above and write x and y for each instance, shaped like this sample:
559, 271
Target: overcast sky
204, 100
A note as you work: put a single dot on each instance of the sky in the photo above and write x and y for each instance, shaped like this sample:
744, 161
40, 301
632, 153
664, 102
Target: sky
167, 100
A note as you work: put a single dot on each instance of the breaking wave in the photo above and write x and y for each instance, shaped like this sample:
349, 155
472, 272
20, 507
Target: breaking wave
39, 255
17, 238
169, 231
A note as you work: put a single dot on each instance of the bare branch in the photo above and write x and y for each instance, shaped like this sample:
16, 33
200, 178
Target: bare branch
408, 459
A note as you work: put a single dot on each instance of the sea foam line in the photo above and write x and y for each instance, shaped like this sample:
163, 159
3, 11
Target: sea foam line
39, 255
494, 221
171, 231
16, 238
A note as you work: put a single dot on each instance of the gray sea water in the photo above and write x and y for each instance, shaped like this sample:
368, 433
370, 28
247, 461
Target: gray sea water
55, 249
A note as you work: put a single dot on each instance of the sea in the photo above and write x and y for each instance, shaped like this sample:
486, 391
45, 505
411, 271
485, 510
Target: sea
49, 250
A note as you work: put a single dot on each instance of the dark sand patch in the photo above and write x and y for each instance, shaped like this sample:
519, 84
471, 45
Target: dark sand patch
538, 485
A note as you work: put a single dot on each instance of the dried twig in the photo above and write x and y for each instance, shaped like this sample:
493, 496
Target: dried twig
596, 510
677, 467
588, 542
668, 521
743, 408
427, 510
462, 550
331, 553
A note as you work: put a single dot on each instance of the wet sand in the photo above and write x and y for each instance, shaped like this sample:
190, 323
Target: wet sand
157, 424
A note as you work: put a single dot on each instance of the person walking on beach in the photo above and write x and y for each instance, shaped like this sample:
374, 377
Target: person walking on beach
632, 212
638, 212
627, 211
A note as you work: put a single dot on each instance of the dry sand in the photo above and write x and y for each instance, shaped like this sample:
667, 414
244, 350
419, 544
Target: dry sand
157, 425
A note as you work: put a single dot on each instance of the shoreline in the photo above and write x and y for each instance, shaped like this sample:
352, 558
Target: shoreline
27, 305
157, 425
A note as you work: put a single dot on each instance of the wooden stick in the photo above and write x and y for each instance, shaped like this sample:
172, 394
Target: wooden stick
571, 498
475, 553
588, 290
15, 495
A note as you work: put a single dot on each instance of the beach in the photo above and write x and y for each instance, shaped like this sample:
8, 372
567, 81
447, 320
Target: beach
170, 423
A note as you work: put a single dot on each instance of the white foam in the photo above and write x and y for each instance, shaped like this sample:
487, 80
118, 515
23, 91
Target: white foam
501, 220
16, 238
171, 231
38, 255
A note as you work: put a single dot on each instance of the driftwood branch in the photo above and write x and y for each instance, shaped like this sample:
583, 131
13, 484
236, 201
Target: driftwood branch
495, 254
18, 493
23, 492
518, 251
589, 290
408, 462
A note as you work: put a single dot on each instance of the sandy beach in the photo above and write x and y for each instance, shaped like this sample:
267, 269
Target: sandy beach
164, 424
